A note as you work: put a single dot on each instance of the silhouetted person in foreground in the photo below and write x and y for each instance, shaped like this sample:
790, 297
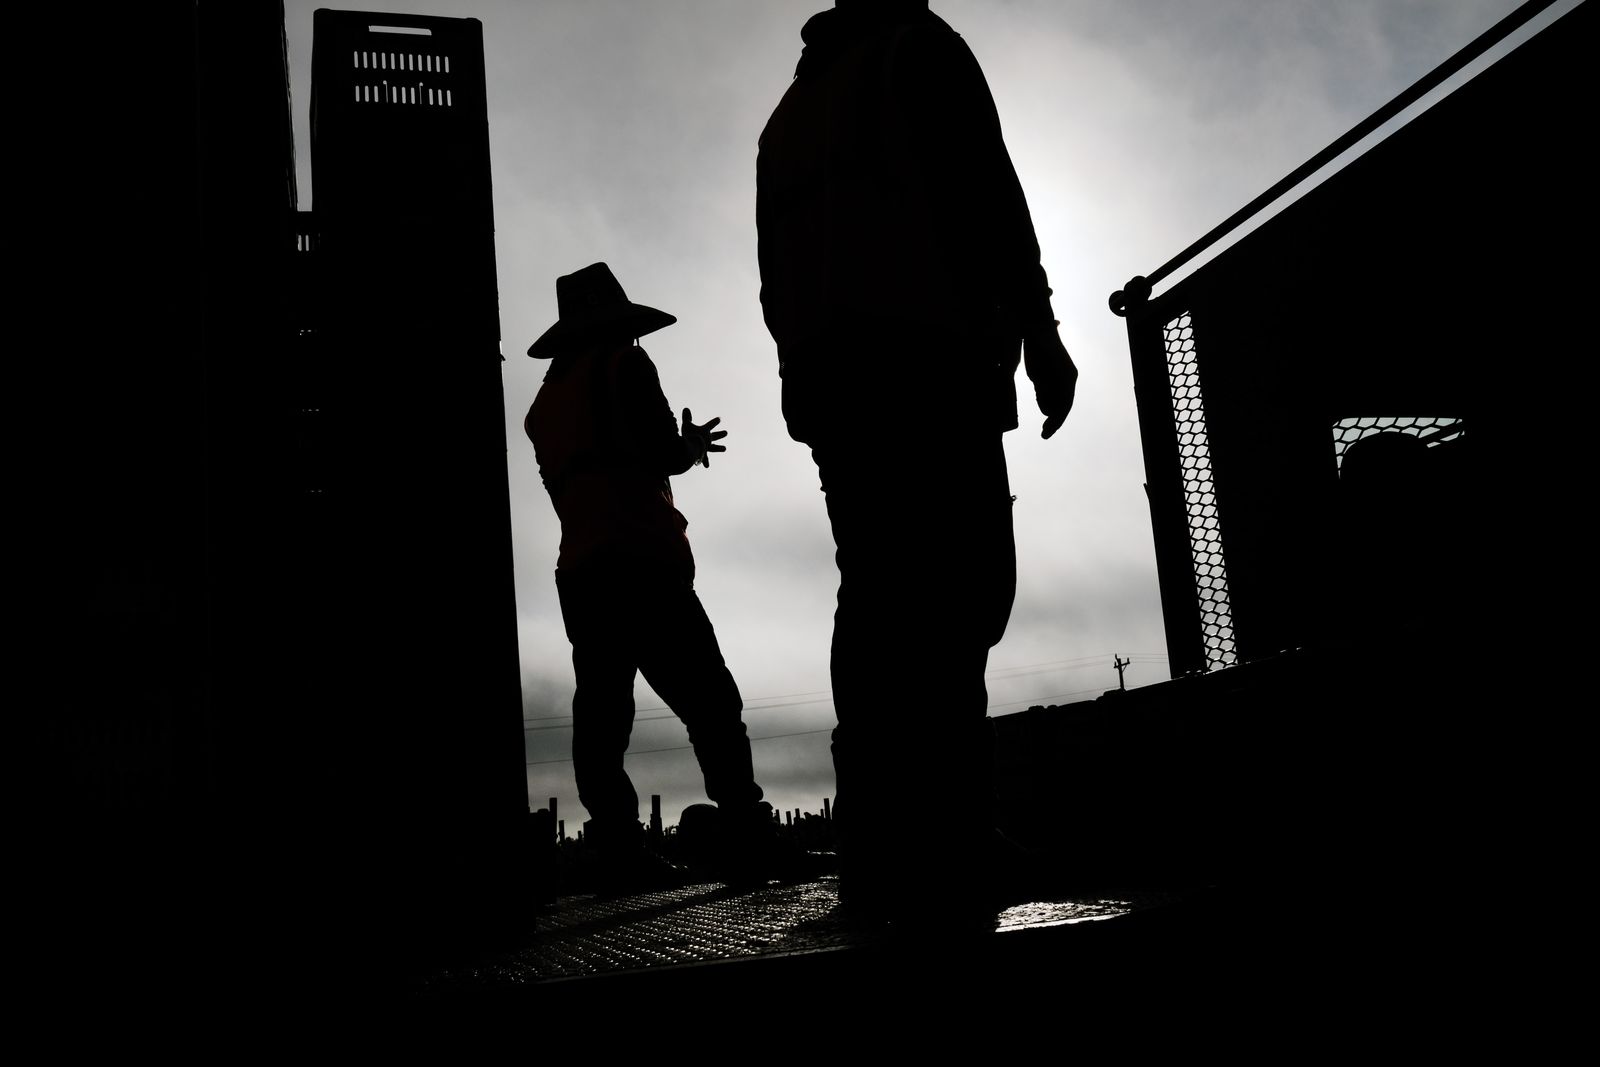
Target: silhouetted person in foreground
607, 443
900, 278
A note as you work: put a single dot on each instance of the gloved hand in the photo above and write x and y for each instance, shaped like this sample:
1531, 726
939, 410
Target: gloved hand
703, 438
1054, 376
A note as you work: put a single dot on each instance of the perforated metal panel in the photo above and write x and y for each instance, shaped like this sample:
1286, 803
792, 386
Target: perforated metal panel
1432, 431
1199, 494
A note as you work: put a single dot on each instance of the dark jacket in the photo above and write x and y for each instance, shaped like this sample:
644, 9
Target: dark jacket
607, 442
890, 218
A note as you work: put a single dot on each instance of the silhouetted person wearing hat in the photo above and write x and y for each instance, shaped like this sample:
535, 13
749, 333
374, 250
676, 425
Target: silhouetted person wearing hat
900, 279
607, 443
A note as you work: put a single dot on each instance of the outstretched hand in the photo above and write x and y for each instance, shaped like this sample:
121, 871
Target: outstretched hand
704, 437
1054, 376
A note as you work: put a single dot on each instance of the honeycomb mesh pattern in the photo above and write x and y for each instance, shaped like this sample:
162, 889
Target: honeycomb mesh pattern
1433, 431
1199, 494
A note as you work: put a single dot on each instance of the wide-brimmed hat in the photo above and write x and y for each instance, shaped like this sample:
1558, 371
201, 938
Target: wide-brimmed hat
591, 304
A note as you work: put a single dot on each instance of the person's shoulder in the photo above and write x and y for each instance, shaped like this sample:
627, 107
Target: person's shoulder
933, 49
934, 34
632, 365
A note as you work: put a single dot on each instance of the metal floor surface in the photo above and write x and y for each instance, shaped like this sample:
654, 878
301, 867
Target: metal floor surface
586, 936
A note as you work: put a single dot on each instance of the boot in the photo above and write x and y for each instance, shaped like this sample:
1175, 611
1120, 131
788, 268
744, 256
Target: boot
618, 862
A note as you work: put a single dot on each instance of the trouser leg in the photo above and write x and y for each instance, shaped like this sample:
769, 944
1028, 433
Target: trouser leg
684, 665
927, 575
984, 585
602, 704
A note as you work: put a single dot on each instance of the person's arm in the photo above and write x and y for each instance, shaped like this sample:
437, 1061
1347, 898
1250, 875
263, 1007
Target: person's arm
955, 121
650, 429
1054, 376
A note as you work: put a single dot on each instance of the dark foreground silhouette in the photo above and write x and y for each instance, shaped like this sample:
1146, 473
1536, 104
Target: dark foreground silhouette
901, 282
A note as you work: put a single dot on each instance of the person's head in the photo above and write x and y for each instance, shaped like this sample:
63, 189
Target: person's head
595, 312
606, 341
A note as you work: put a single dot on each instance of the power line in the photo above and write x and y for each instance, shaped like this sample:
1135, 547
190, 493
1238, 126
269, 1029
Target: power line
656, 718
997, 674
825, 694
1061, 664
1031, 701
686, 748
1019, 673
805, 733
1054, 696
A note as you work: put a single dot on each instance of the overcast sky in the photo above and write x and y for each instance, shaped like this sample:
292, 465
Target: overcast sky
625, 131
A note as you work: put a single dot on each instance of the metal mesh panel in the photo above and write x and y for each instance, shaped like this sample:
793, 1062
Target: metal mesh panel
1432, 431
1199, 494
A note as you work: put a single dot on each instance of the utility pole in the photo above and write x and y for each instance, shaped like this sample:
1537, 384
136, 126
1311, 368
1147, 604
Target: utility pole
1121, 665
